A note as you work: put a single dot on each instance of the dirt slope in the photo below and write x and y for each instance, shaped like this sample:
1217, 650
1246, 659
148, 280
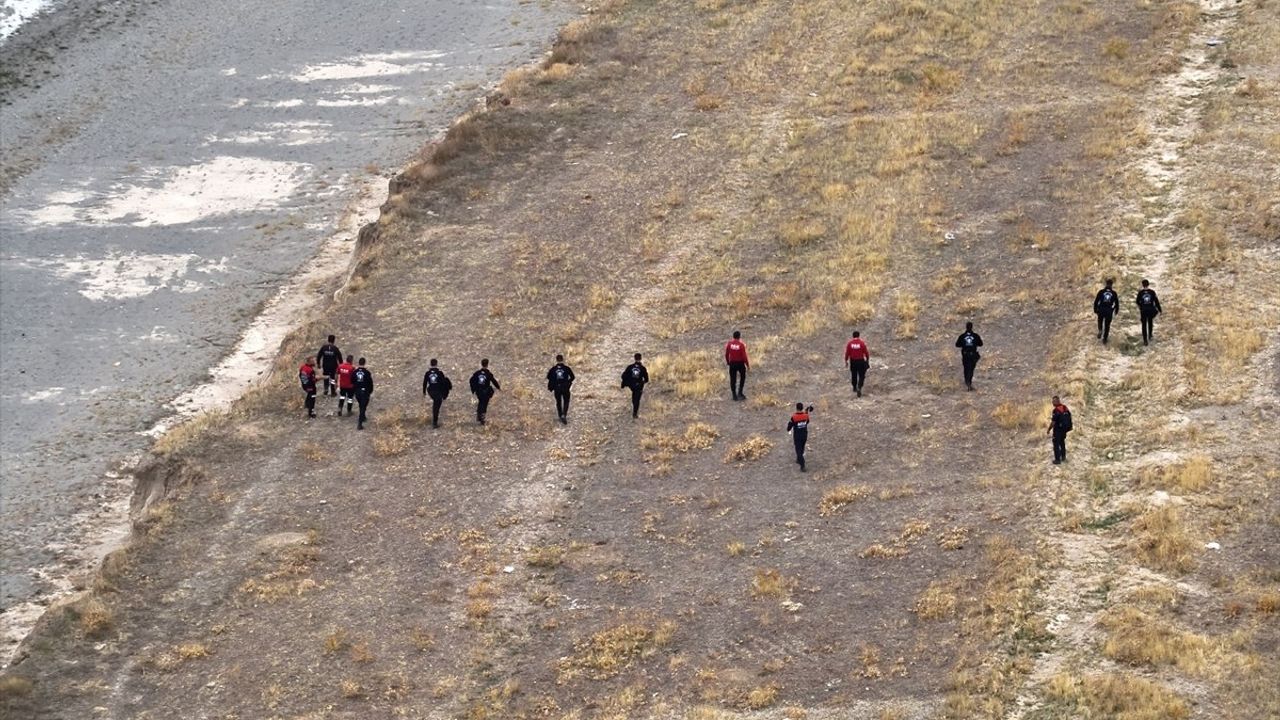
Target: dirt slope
674, 172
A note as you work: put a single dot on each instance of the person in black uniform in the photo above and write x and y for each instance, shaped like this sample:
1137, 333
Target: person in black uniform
1148, 309
307, 376
436, 385
560, 381
328, 358
969, 342
483, 385
635, 377
364, 390
1105, 305
798, 426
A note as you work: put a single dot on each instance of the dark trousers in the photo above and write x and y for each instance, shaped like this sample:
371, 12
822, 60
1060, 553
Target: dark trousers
347, 395
636, 392
330, 382
311, 402
1104, 326
858, 373
970, 362
562, 402
800, 438
737, 378
436, 402
1148, 327
362, 399
1059, 446
482, 405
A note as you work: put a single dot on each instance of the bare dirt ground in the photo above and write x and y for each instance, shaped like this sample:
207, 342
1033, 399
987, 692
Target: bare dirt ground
679, 170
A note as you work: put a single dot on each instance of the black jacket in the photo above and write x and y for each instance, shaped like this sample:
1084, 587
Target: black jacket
1106, 302
436, 384
969, 342
635, 376
329, 358
483, 381
363, 378
1148, 303
560, 377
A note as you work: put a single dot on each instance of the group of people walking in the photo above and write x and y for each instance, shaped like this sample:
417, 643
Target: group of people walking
353, 382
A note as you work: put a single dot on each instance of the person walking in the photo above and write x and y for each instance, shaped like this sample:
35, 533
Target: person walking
858, 358
635, 376
362, 379
483, 386
969, 342
798, 426
307, 376
346, 385
436, 385
328, 358
735, 355
1106, 304
1059, 426
1148, 309
560, 382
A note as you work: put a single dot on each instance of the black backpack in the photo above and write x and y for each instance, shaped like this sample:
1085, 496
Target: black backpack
1064, 421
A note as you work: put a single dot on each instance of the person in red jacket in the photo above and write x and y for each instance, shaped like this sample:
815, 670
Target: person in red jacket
858, 358
346, 384
307, 377
735, 354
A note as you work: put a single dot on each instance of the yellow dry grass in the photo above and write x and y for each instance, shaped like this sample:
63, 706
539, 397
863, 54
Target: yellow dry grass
1162, 540
751, 449
837, 499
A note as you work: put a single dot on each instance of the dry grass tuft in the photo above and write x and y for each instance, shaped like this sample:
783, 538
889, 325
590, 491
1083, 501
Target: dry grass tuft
694, 375
936, 602
771, 583
1190, 475
545, 556
879, 551
907, 308
606, 653
762, 697
838, 498
1116, 696
1161, 540
351, 689
753, 448
192, 651
1010, 415
1137, 638
735, 548
96, 619
12, 686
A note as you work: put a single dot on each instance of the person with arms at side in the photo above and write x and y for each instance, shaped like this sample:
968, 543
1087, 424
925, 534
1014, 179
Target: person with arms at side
560, 383
1106, 304
346, 385
858, 358
328, 358
969, 342
735, 356
1148, 309
362, 378
436, 385
1059, 426
483, 385
798, 426
635, 376
307, 376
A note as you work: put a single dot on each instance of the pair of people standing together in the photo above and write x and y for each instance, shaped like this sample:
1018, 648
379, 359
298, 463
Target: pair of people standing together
1106, 305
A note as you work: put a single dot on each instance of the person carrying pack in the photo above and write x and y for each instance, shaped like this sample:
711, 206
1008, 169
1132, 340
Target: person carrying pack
1148, 309
635, 377
436, 385
1106, 304
307, 377
969, 342
560, 382
1059, 426
362, 378
798, 426
483, 385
